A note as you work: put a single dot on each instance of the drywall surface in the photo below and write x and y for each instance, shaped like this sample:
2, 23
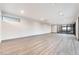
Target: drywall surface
0, 26
77, 28
54, 28
23, 28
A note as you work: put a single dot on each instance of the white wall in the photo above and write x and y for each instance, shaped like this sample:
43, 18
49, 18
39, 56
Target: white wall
23, 29
77, 28
0, 26
54, 28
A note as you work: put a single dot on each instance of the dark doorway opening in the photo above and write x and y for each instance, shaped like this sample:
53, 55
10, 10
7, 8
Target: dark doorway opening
74, 28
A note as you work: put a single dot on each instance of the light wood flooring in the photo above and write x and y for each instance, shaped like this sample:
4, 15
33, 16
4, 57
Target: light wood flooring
46, 44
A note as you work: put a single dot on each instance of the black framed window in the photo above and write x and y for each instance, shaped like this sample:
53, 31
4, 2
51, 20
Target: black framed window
68, 28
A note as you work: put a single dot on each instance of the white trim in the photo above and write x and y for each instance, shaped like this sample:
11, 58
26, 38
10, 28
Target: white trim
77, 29
24, 36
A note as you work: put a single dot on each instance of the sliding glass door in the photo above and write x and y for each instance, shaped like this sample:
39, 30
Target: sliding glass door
68, 28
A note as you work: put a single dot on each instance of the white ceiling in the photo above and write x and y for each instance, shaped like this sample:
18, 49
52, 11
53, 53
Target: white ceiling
49, 12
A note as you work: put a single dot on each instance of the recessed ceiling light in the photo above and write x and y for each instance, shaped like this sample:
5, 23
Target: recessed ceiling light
22, 11
42, 19
61, 13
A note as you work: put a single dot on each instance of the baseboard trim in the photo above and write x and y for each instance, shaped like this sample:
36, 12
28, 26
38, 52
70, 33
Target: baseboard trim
22, 37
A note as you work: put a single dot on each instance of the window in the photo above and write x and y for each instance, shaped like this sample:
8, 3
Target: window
67, 28
64, 28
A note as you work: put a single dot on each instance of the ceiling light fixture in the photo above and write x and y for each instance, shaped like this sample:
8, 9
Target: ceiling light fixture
42, 19
22, 11
61, 13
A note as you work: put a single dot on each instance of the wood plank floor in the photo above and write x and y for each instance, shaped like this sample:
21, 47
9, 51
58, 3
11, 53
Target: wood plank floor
46, 44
